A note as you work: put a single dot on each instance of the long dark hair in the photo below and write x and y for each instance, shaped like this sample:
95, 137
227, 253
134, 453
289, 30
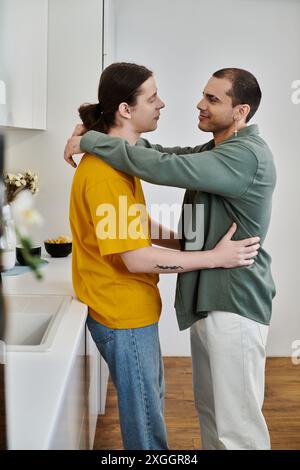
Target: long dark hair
119, 83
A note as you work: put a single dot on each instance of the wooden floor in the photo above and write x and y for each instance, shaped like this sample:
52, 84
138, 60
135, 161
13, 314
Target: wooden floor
281, 408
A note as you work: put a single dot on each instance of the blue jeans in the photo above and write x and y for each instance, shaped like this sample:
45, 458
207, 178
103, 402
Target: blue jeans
136, 368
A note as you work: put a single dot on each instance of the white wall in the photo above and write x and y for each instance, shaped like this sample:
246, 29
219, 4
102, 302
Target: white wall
184, 42
74, 68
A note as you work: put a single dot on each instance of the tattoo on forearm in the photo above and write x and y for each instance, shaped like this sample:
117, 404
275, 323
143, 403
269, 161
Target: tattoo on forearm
168, 267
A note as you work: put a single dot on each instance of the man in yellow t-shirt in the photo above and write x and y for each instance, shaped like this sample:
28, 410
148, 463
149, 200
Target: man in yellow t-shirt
117, 298
124, 302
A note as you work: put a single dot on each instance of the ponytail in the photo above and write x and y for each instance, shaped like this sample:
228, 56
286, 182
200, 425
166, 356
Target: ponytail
92, 117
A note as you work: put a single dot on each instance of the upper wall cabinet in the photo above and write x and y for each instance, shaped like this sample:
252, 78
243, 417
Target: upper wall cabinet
23, 63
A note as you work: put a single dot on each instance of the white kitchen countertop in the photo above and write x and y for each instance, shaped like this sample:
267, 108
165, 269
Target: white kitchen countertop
35, 381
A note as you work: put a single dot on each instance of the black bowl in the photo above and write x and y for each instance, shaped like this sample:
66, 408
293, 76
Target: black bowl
58, 250
35, 251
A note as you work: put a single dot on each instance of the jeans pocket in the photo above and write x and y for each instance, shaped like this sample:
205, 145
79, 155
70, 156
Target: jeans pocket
101, 334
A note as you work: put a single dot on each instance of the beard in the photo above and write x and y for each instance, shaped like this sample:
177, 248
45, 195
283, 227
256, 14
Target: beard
209, 125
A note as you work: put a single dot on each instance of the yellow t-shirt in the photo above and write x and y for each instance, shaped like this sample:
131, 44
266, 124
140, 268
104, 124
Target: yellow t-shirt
101, 199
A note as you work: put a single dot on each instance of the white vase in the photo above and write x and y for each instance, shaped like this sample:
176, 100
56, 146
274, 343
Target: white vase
8, 240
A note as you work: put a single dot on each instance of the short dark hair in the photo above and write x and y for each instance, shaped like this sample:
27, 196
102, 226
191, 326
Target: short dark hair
119, 82
245, 88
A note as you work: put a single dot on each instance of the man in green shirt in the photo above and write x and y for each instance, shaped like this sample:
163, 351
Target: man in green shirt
228, 311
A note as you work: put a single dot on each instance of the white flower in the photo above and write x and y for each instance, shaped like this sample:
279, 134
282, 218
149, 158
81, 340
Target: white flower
24, 213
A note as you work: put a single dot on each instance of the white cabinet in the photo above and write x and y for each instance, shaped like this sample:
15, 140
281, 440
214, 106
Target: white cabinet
23, 63
104, 376
84, 398
98, 374
71, 426
93, 385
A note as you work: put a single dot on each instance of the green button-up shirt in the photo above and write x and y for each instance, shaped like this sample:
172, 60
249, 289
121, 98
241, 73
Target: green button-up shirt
235, 181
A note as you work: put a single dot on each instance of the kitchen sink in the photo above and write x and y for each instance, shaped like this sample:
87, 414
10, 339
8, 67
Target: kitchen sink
33, 320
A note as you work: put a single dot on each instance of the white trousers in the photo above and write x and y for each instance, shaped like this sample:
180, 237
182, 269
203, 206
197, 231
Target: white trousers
228, 355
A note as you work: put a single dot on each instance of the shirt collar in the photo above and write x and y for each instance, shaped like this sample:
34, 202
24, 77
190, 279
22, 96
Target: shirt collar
249, 130
244, 132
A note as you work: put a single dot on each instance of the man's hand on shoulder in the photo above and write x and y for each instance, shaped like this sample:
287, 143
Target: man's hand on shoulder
73, 145
72, 148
